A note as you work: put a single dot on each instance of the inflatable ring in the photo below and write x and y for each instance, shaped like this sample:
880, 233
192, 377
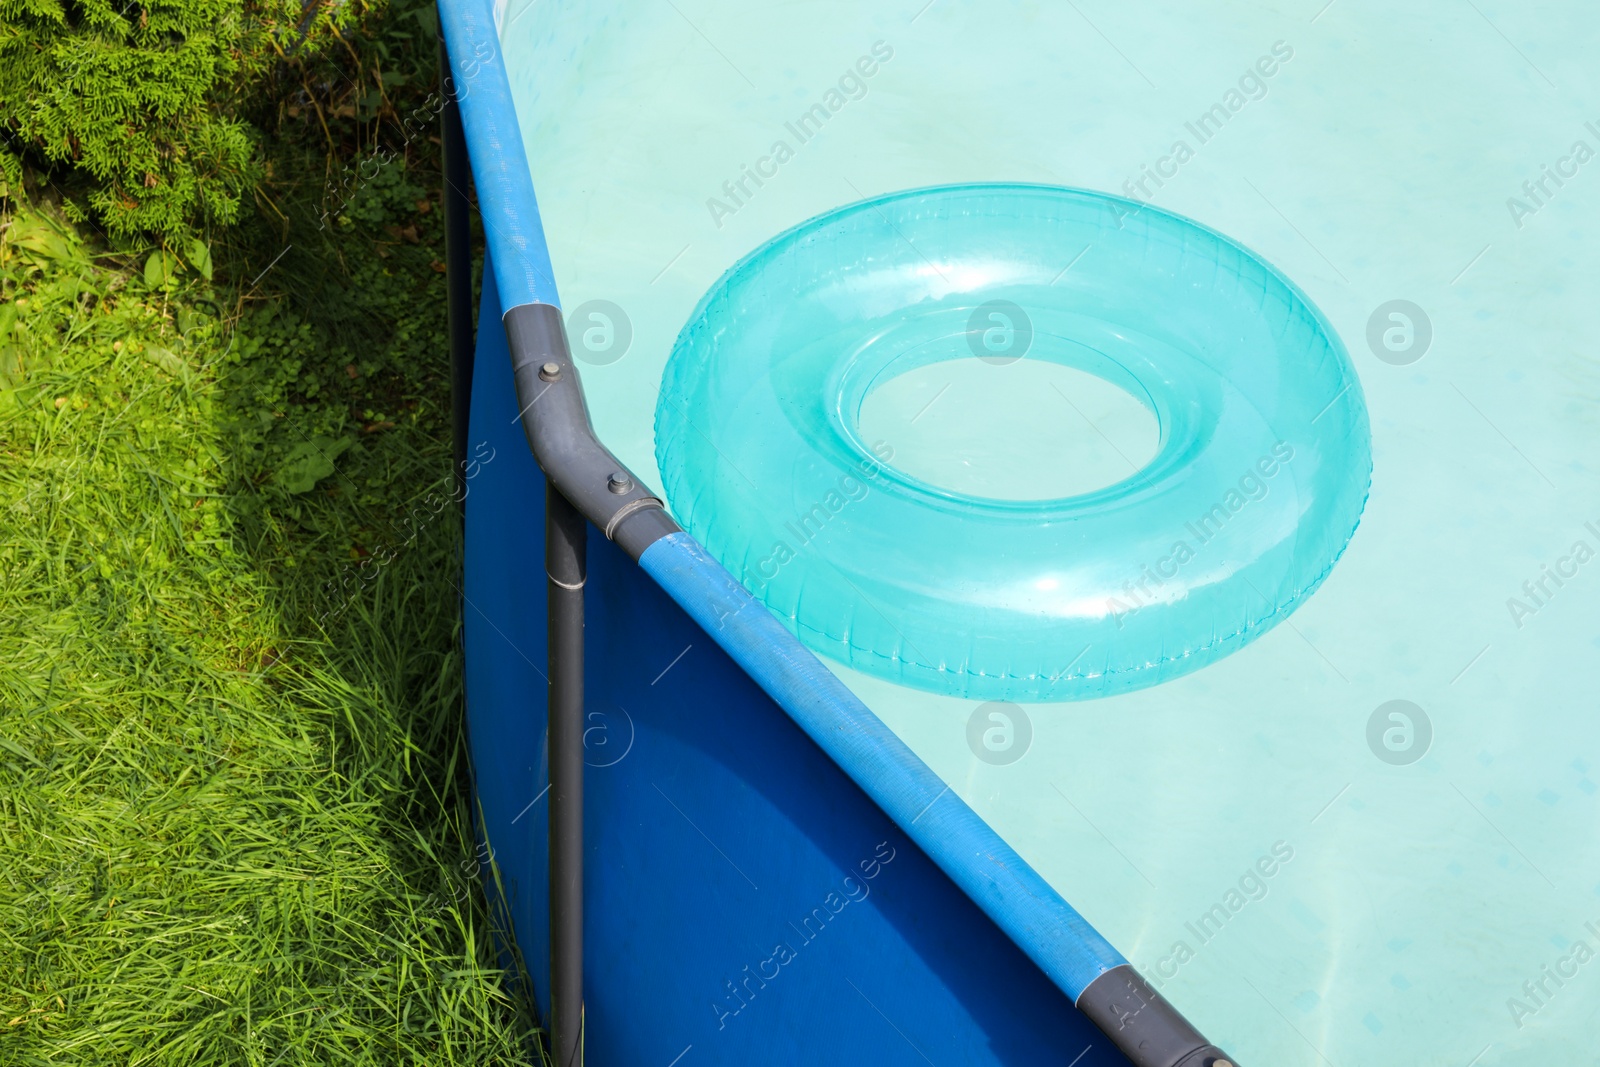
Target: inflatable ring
1258, 481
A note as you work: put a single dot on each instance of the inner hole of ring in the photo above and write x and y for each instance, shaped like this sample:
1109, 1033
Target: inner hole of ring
1024, 429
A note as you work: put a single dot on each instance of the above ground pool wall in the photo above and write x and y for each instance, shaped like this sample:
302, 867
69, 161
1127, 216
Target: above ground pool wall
746, 902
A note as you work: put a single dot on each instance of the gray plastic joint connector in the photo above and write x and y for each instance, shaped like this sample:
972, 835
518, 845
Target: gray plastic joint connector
1147, 1028
555, 418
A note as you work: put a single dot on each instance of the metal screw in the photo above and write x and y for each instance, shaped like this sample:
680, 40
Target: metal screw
619, 483
550, 372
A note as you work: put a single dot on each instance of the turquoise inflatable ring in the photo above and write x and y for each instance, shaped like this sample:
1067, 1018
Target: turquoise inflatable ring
1258, 482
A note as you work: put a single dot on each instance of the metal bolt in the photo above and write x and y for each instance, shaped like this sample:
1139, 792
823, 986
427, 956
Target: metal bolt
619, 483
550, 372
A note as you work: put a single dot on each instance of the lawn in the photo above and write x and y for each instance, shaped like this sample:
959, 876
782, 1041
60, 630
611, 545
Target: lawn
235, 804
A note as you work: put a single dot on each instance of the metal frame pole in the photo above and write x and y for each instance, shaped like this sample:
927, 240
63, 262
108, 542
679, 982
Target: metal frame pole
565, 533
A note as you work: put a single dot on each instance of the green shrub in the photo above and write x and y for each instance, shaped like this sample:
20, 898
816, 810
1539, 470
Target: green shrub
144, 107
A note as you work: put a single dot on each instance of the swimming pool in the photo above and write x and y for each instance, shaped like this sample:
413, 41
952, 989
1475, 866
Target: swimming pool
1311, 871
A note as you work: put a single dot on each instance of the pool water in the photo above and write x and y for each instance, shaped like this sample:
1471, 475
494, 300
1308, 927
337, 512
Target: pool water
979, 428
1314, 873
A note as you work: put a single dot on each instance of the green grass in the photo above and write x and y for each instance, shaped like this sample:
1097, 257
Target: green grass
234, 797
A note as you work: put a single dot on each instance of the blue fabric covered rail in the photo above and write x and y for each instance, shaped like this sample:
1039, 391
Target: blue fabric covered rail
510, 212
